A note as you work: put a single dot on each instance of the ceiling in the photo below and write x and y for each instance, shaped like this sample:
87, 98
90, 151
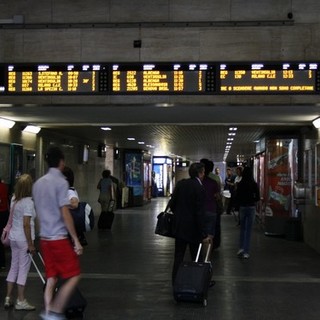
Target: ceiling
189, 131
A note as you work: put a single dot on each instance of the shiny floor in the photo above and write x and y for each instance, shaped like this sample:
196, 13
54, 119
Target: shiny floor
126, 275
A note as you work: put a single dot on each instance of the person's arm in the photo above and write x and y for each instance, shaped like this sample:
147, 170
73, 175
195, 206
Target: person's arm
27, 232
68, 220
74, 202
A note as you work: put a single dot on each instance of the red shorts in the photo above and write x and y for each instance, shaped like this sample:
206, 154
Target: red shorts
60, 259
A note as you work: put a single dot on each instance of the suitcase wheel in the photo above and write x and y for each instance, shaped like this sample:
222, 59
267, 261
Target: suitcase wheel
205, 302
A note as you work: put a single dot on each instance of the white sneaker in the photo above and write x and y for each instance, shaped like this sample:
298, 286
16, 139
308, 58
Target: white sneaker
52, 316
240, 252
7, 303
24, 305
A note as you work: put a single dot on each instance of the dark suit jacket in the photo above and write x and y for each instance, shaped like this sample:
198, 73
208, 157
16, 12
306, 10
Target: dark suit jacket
187, 204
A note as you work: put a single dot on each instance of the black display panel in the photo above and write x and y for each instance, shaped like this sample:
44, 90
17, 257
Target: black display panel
269, 78
162, 78
179, 78
55, 78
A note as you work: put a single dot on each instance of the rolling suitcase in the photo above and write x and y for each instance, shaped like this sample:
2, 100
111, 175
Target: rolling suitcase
106, 217
193, 279
77, 303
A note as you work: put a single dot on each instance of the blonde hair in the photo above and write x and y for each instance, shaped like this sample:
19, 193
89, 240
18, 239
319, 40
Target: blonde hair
23, 187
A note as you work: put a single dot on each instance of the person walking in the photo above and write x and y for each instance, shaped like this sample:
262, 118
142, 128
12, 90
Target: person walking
105, 185
4, 215
187, 204
247, 195
212, 194
60, 253
22, 235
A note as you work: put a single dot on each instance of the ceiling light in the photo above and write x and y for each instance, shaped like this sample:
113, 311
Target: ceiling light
131, 139
6, 123
230, 139
106, 128
233, 129
32, 129
316, 123
140, 142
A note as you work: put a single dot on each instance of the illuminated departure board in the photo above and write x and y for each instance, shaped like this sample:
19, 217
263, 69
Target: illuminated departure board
156, 78
266, 78
163, 78
50, 79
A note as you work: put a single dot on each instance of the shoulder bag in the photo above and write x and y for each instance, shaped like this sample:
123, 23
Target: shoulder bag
165, 224
6, 230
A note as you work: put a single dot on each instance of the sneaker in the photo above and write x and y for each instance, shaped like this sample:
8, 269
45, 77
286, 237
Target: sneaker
24, 305
52, 316
246, 256
7, 303
240, 253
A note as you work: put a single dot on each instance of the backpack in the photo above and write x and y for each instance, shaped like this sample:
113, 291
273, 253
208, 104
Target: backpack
83, 217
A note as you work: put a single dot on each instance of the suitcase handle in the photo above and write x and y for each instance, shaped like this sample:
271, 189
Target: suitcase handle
207, 253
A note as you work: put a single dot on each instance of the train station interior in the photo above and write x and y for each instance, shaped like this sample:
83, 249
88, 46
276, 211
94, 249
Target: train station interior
160, 85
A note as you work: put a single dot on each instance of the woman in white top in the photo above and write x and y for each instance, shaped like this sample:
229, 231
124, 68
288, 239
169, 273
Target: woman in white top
22, 235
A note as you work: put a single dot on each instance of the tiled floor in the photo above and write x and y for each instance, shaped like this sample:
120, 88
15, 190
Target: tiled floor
126, 275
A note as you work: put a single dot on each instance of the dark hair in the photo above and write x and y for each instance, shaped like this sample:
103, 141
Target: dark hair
106, 173
195, 169
247, 174
53, 157
208, 166
69, 175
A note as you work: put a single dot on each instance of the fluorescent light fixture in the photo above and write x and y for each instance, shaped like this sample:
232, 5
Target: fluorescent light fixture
140, 142
106, 128
6, 123
316, 123
131, 139
32, 129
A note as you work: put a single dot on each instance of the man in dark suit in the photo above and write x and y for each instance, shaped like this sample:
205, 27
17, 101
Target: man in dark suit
187, 204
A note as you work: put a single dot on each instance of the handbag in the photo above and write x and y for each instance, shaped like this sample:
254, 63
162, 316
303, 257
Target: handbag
165, 224
6, 230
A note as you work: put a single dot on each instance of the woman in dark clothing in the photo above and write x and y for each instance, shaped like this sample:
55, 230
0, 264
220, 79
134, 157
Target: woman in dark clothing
247, 195
187, 204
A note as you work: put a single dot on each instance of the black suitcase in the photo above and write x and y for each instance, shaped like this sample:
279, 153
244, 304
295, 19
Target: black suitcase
193, 279
105, 220
76, 305
106, 217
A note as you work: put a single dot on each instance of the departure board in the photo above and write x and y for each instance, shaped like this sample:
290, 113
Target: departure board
269, 78
53, 78
162, 78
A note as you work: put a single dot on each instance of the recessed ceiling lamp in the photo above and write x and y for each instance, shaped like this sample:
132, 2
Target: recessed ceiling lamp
316, 123
131, 139
32, 129
106, 128
140, 142
6, 123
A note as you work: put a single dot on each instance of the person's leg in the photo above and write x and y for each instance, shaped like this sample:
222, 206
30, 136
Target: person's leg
63, 295
49, 292
13, 272
242, 216
179, 251
24, 267
250, 215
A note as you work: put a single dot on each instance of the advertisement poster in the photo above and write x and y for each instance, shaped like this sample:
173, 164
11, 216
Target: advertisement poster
133, 165
281, 172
